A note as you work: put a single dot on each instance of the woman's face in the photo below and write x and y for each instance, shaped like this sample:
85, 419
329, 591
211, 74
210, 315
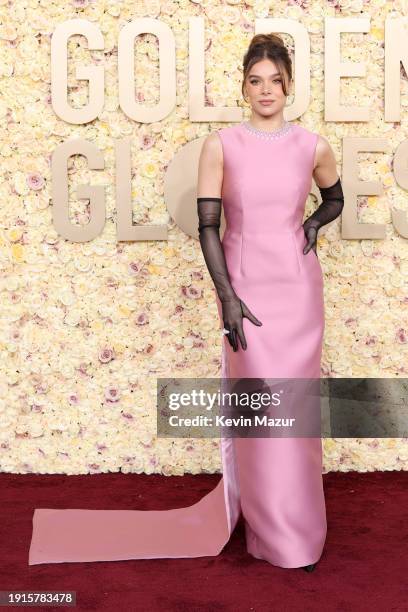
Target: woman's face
264, 82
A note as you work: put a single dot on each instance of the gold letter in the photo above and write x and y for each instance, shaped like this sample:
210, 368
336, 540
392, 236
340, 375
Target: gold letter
95, 194
167, 70
351, 228
59, 69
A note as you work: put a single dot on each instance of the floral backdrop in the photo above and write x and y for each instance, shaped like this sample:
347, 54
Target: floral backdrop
86, 328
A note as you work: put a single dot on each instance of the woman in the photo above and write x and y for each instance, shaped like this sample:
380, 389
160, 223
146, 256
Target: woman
269, 288
261, 170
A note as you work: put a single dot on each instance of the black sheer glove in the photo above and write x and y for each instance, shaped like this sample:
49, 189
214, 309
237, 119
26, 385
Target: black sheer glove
233, 309
330, 208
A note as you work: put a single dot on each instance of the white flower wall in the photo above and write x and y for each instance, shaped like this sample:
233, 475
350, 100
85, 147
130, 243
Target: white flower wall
86, 328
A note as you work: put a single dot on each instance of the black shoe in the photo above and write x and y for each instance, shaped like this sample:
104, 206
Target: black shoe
309, 568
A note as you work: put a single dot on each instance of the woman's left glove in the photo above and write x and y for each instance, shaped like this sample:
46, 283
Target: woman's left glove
330, 208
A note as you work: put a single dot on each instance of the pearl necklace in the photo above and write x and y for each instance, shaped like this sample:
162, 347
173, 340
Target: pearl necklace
266, 134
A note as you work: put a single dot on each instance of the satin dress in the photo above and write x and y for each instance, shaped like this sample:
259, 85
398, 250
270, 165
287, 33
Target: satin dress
276, 482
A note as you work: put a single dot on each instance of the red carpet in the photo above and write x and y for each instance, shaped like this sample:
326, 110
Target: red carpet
362, 568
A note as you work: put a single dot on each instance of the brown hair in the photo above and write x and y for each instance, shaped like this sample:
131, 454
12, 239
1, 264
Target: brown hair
270, 46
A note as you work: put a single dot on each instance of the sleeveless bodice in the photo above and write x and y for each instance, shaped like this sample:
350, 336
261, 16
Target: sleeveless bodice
266, 182
264, 191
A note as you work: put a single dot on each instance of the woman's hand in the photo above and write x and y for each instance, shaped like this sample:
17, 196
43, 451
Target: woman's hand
233, 311
310, 231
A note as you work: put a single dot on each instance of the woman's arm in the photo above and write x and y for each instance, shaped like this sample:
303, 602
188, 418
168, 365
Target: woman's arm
209, 186
329, 185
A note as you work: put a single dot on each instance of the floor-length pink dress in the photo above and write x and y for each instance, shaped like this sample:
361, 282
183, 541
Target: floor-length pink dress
275, 482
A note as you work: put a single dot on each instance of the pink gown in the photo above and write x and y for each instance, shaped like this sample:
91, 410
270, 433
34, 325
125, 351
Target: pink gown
275, 482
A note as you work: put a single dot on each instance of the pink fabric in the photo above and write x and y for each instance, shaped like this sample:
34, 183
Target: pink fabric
275, 482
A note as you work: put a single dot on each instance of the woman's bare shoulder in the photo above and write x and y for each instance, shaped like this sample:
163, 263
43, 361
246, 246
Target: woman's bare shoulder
212, 146
323, 150
213, 139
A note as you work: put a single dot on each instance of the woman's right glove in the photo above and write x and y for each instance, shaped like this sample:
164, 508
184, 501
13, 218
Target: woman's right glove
233, 312
233, 309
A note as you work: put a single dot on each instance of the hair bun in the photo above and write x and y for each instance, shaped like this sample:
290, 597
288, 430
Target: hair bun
268, 39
